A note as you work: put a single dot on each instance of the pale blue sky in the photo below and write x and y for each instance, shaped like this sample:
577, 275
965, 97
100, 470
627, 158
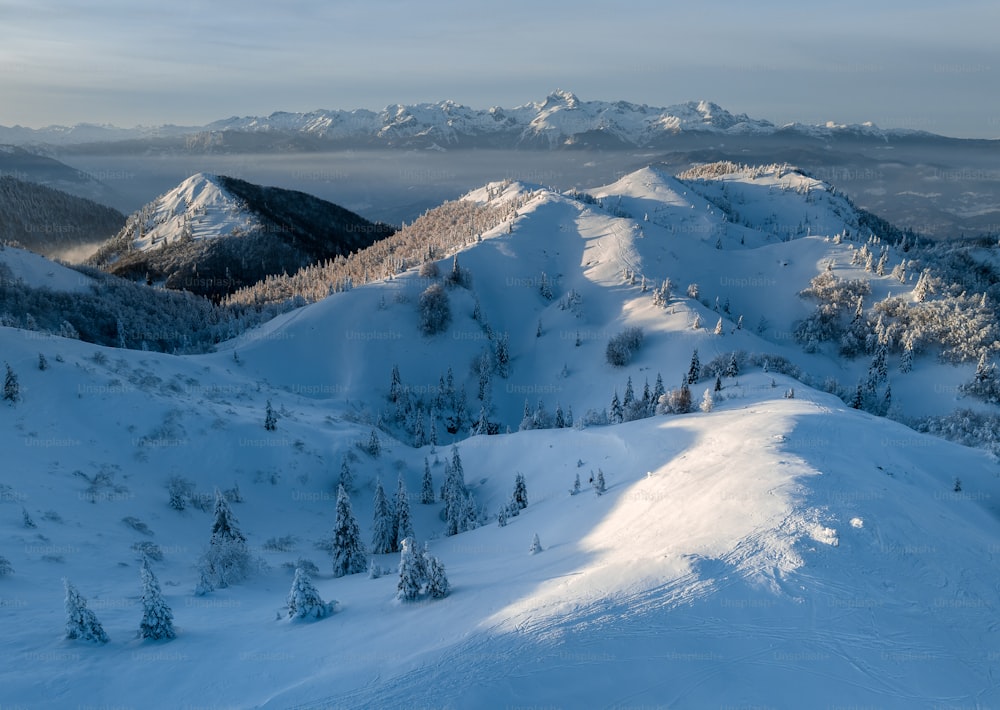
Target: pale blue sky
928, 65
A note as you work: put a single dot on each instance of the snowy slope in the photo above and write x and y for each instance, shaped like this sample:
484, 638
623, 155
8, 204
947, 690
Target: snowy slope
199, 207
774, 552
38, 272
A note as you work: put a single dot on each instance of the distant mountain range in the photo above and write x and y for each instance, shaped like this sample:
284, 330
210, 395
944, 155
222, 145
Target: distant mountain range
213, 234
561, 120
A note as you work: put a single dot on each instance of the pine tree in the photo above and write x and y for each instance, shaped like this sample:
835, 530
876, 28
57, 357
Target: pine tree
411, 578
374, 447
81, 622
718, 383
437, 583
270, 418
707, 401
718, 327
658, 389
520, 496
348, 552
396, 386
227, 560
26, 520
617, 415
629, 394
11, 387
404, 523
694, 371
346, 477
383, 525
427, 485
502, 516
576, 486
43, 364
560, 420
599, 486
536, 545
569, 417
733, 368
157, 618
304, 601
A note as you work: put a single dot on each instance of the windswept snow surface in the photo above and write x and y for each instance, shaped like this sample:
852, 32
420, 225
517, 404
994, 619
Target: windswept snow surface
775, 552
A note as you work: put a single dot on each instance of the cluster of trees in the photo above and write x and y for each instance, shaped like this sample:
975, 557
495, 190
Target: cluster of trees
623, 346
49, 221
119, 313
419, 414
431, 236
157, 621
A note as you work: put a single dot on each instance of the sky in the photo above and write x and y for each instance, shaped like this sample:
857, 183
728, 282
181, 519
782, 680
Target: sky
930, 66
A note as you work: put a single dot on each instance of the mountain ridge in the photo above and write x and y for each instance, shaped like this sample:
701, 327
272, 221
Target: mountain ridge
561, 119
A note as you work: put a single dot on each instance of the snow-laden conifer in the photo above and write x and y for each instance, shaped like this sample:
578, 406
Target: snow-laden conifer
157, 618
304, 601
348, 551
383, 524
81, 622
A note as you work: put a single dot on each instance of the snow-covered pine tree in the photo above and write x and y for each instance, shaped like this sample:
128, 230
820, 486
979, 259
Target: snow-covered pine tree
348, 551
560, 419
270, 418
599, 485
43, 364
520, 495
629, 396
304, 601
346, 476
718, 328
227, 560
404, 523
502, 516
694, 371
427, 485
11, 387
437, 583
157, 618
81, 622
411, 577
569, 417
617, 414
718, 383
396, 385
536, 545
576, 486
383, 524
707, 401
374, 447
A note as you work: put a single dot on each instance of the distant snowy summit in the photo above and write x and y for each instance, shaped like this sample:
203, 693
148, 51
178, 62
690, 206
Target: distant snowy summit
560, 120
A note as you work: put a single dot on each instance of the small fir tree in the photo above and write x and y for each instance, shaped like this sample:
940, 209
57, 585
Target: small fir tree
536, 545
576, 486
157, 618
270, 418
304, 601
346, 476
427, 485
404, 523
11, 387
227, 560
599, 485
707, 401
520, 496
81, 622
437, 583
411, 576
348, 551
383, 532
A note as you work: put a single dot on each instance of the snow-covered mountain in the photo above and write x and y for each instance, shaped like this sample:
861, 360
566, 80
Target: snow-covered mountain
213, 234
560, 120
776, 548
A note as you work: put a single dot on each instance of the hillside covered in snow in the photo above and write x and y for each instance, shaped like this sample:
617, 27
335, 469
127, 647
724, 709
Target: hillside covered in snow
214, 234
696, 379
